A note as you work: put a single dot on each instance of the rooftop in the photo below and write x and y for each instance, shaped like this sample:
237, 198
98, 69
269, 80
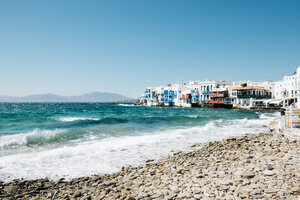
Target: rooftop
249, 87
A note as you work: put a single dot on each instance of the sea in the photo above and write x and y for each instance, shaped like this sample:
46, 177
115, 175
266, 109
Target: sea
69, 140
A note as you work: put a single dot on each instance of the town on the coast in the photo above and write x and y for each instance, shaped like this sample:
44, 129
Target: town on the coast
242, 94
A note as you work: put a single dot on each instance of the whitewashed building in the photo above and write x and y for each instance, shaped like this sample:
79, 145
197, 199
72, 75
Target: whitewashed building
266, 94
201, 90
247, 95
287, 89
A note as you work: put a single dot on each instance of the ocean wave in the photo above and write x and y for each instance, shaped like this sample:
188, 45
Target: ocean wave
266, 115
122, 104
11, 141
72, 119
80, 122
56, 137
90, 157
41, 137
108, 155
173, 119
79, 130
269, 115
192, 116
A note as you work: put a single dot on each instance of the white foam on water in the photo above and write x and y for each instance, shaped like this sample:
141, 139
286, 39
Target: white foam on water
192, 116
122, 104
110, 154
21, 138
71, 119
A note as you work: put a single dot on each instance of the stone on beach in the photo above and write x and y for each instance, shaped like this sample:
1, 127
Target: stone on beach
264, 166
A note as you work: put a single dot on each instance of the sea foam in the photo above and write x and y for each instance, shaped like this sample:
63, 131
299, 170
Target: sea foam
72, 119
108, 155
22, 138
122, 104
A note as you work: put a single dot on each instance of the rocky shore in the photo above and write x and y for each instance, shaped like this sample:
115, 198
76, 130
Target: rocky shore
263, 166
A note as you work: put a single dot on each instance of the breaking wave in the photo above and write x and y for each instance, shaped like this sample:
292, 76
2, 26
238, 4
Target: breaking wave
72, 119
127, 105
67, 140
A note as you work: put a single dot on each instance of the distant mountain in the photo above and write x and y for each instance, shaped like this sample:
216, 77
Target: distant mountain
90, 97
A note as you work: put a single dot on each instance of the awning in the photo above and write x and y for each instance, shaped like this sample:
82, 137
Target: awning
278, 101
259, 100
287, 98
269, 101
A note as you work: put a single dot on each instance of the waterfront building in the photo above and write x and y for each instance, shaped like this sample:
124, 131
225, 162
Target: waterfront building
205, 88
175, 94
245, 96
269, 85
153, 96
201, 90
170, 95
219, 98
287, 89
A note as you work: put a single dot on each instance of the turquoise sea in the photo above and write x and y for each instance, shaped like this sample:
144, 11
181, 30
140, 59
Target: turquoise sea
69, 140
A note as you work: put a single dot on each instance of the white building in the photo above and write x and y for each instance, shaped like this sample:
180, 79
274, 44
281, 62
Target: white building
182, 94
170, 95
200, 90
284, 92
288, 89
246, 95
180, 91
269, 85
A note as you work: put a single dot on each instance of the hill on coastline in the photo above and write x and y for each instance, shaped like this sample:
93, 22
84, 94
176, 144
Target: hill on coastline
89, 97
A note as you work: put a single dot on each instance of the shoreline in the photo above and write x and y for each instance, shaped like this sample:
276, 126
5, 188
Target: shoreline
233, 168
209, 106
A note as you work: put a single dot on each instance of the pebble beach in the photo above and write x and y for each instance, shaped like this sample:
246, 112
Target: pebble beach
253, 166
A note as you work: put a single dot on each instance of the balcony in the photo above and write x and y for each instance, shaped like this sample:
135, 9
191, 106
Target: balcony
217, 102
217, 95
253, 96
205, 92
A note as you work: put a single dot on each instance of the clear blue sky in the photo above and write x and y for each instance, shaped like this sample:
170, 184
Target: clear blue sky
75, 47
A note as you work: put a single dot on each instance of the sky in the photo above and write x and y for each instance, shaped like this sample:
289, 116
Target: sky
72, 47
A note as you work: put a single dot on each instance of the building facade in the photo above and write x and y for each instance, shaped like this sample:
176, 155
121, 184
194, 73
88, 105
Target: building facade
244, 96
249, 94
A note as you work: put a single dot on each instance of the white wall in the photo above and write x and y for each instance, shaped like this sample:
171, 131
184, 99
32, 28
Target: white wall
288, 86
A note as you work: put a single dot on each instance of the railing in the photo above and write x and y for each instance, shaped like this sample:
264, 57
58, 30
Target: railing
205, 101
217, 95
228, 100
292, 118
217, 102
253, 96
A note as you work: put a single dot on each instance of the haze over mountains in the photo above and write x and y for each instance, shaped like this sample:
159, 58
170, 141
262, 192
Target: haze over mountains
89, 97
